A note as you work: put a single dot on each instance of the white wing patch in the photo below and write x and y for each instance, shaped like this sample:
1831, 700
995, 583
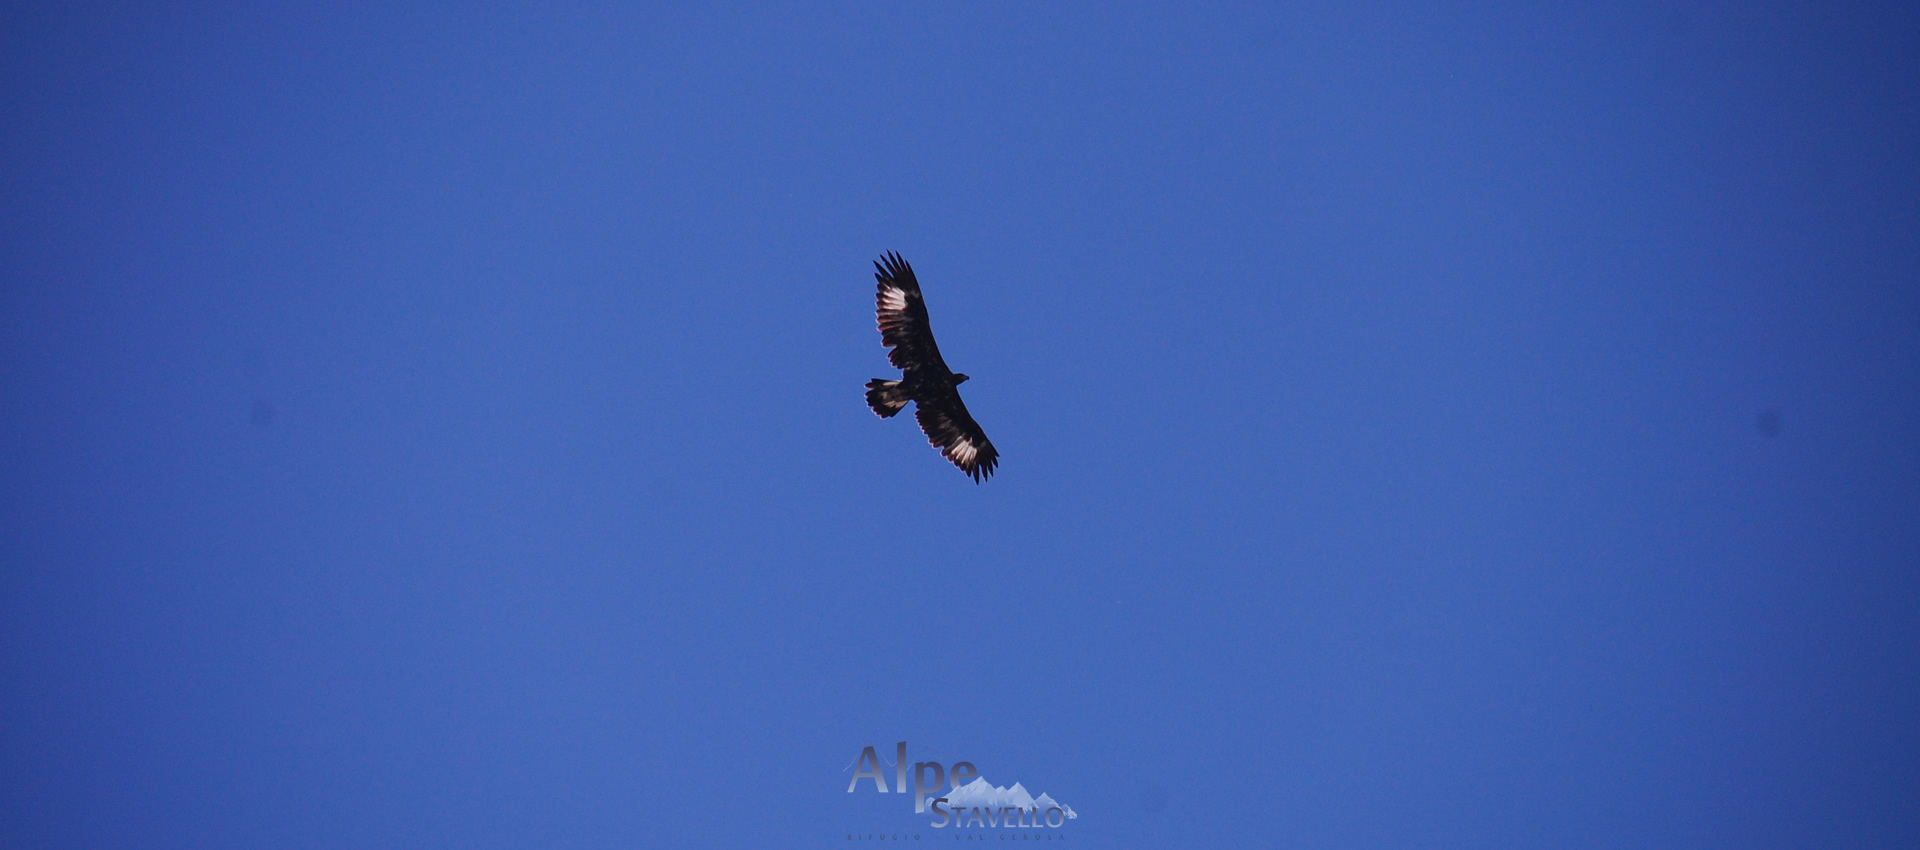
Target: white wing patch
893, 299
964, 451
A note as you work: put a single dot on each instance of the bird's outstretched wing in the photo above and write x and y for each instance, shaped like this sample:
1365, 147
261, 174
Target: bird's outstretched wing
951, 429
903, 317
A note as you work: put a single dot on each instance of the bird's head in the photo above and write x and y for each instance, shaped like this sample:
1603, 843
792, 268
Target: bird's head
959, 378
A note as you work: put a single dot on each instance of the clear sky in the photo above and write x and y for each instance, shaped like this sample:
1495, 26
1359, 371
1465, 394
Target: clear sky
1467, 425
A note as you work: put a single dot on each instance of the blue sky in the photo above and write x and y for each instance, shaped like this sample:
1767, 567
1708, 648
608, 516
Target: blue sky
1470, 425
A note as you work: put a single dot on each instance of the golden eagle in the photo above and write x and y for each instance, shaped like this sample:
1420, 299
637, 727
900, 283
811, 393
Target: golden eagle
925, 379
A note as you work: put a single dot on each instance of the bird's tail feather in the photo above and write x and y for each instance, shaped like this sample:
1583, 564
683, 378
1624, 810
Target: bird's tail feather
886, 398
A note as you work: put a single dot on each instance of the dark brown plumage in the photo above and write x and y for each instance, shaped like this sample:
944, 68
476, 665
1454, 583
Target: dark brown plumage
925, 379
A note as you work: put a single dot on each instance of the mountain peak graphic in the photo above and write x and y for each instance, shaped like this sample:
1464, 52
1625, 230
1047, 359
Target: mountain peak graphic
981, 793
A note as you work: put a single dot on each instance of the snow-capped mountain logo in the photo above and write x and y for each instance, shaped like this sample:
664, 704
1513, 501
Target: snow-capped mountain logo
972, 801
967, 803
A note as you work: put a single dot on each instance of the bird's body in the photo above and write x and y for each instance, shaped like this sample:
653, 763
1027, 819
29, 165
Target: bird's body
925, 379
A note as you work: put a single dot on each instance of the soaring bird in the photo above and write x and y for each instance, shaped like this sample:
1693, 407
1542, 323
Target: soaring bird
925, 379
